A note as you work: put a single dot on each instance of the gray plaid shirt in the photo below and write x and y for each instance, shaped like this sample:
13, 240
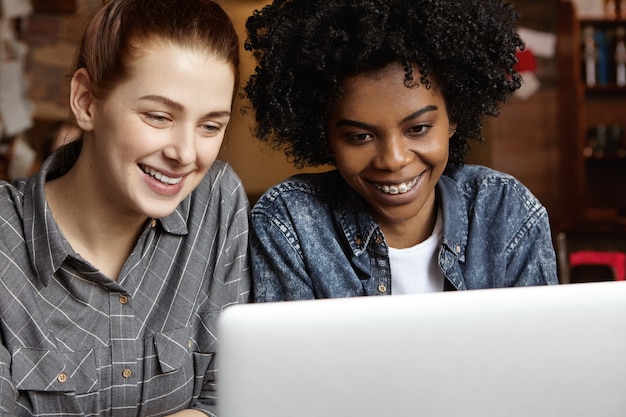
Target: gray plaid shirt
75, 342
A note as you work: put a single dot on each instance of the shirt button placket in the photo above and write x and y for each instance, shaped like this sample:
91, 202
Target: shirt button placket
124, 350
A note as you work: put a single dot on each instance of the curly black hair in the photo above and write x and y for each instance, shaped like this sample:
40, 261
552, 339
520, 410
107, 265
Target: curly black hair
305, 49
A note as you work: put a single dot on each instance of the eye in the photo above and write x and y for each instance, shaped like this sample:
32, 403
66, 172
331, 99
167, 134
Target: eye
419, 130
210, 129
360, 138
156, 119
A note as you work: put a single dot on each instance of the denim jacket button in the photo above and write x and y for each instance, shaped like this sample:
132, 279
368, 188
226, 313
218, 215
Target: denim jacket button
458, 249
382, 288
358, 241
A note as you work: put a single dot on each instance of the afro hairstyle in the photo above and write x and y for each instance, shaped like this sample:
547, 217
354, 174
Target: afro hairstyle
305, 49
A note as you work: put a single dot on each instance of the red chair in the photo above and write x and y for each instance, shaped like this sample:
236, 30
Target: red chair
585, 256
615, 260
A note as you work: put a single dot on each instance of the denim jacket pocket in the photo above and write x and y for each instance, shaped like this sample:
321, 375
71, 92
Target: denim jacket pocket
172, 348
55, 371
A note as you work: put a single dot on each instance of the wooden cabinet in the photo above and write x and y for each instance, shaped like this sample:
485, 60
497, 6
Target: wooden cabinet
591, 125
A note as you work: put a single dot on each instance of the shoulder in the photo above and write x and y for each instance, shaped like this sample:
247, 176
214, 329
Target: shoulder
12, 222
222, 175
219, 198
483, 185
11, 198
469, 177
492, 203
222, 180
303, 191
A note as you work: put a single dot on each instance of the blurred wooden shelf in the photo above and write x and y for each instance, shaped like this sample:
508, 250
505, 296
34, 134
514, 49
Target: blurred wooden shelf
593, 169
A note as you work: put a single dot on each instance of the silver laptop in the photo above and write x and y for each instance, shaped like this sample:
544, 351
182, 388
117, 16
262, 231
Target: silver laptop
557, 351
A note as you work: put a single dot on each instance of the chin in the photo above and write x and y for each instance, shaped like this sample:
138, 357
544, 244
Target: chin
158, 210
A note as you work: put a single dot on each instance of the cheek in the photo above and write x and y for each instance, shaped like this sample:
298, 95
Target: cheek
435, 151
208, 149
350, 163
349, 158
443, 152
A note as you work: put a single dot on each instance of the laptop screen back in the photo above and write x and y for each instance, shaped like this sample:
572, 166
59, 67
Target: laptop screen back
556, 351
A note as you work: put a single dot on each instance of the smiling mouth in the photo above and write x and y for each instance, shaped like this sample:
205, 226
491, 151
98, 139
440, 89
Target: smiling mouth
400, 188
160, 176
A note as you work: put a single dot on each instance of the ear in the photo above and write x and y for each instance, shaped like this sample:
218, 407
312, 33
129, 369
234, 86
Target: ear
81, 99
451, 130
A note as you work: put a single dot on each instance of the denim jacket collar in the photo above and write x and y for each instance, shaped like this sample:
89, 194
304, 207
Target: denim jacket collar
359, 226
454, 206
353, 215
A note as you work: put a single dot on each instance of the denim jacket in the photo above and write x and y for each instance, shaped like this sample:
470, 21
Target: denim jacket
312, 236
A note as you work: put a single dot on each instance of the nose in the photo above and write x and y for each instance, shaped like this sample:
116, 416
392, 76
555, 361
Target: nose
393, 153
182, 146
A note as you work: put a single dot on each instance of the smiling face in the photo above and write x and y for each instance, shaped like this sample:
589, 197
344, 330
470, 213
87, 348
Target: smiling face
390, 144
151, 141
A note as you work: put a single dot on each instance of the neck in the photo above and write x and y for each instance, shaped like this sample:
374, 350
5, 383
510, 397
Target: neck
100, 234
411, 232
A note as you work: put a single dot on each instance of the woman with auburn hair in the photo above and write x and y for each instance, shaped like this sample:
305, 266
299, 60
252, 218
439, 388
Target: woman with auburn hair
119, 255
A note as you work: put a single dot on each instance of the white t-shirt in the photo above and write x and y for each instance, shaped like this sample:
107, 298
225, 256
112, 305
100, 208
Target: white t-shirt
416, 269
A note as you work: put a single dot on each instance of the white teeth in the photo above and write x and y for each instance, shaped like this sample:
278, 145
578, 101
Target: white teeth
160, 176
399, 188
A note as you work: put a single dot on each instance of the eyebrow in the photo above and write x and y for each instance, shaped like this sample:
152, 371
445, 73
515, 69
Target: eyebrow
163, 100
354, 123
177, 106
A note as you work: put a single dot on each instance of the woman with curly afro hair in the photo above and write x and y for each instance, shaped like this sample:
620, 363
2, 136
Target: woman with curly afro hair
389, 92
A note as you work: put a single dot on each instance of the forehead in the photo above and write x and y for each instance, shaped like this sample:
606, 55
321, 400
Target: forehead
139, 48
183, 74
168, 57
386, 90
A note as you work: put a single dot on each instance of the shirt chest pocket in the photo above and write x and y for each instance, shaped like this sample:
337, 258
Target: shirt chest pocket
173, 349
54, 371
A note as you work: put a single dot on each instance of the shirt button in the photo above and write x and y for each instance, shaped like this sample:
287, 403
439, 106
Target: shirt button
153, 223
62, 377
126, 373
458, 249
123, 299
382, 288
190, 344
